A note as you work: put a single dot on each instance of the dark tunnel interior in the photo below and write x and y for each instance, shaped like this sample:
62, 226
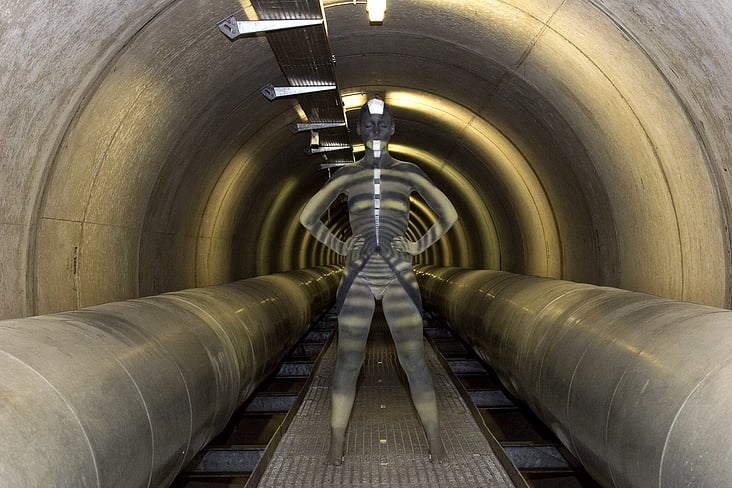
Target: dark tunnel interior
581, 140
576, 141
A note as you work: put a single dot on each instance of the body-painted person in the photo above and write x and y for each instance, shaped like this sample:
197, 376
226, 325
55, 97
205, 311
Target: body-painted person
379, 267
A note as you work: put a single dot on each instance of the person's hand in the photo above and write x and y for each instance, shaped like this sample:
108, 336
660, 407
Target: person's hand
359, 247
353, 244
403, 245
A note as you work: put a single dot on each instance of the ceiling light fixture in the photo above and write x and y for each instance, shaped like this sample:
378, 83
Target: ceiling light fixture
376, 10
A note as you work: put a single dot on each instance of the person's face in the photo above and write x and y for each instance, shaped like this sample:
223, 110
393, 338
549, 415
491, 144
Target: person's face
375, 127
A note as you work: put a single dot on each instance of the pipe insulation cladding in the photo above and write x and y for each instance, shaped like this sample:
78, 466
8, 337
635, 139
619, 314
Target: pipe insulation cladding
126, 393
638, 387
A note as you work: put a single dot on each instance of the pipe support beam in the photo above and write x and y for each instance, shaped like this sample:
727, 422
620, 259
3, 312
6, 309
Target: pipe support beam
126, 393
638, 387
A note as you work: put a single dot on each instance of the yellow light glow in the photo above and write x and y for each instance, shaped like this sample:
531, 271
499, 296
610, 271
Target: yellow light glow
249, 12
542, 254
278, 207
353, 101
301, 113
376, 10
530, 202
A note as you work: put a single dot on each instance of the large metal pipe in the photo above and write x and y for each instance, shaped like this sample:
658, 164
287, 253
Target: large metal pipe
126, 393
638, 387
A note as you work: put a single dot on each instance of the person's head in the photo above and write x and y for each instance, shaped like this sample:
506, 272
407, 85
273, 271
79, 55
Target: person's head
375, 122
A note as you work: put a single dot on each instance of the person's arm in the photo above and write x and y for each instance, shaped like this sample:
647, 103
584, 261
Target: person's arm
440, 205
314, 209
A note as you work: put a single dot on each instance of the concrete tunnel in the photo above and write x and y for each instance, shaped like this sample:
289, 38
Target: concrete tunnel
580, 140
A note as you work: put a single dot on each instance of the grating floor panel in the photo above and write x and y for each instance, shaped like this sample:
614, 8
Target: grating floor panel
386, 446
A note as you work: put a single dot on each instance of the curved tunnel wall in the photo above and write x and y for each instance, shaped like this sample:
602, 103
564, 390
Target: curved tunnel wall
582, 140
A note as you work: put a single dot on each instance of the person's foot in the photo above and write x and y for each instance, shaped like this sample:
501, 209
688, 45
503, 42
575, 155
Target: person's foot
335, 453
438, 454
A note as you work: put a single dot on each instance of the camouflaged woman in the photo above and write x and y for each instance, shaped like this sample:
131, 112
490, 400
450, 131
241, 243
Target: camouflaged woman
379, 267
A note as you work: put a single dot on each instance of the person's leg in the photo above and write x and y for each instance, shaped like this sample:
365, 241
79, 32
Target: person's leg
354, 322
405, 323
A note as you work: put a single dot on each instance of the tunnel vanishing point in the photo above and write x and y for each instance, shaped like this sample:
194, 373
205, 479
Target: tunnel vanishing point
583, 141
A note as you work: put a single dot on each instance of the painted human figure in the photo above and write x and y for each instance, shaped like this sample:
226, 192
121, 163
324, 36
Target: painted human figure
379, 267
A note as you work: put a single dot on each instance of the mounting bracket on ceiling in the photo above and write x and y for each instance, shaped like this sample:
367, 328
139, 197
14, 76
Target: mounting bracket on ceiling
296, 127
298, 37
233, 28
335, 164
271, 92
324, 149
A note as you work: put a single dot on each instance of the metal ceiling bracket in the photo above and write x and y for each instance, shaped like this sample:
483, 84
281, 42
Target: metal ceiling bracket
323, 149
271, 92
335, 164
233, 28
296, 127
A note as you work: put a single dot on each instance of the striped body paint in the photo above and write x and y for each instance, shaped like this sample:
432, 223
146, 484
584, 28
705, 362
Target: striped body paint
379, 267
377, 204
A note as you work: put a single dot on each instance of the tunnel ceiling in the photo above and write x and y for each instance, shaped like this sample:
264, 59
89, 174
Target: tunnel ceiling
583, 140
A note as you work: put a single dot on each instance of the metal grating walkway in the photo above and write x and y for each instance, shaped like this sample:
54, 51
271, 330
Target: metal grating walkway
386, 446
